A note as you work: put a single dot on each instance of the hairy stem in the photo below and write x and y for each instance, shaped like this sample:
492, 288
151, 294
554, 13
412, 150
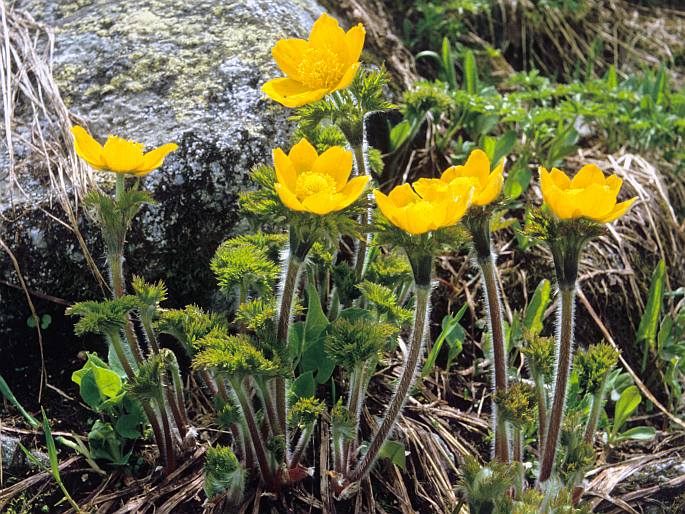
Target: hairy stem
354, 406
496, 329
292, 273
403, 387
563, 368
255, 436
301, 446
595, 411
150, 333
170, 456
156, 428
362, 246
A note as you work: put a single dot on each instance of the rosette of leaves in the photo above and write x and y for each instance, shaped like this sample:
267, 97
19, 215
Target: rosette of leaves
245, 268
105, 318
385, 303
594, 365
485, 488
390, 269
224, 475
353, 342
257, 315
233, 356
188, 325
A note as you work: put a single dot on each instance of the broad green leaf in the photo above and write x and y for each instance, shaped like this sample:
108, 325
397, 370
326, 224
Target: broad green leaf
625, 406
303, 386
535, 310
128, 426
316, 321
399, 134
650, 318
517, 181
504, 145
394, 451
453, 333
637, 434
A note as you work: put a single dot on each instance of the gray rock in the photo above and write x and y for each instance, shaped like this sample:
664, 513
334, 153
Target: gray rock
153, 71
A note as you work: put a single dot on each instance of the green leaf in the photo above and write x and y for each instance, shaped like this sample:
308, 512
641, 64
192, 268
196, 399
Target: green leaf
128, 426
637, 434
650, 318
303, 386
625, 406
316, 321
453, 333
448, 64
314, 358
50, 443
399, 134
504, 145
612, 80
470, 73
45, 321
517, 181
394, 451
535, 310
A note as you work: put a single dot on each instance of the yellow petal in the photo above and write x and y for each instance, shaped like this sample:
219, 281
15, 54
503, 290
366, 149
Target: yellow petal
422, 217
121, 155
387, 207
492, 188
478, 165
291, 93
288, 54
288, 198
87, 148
285, 171
456, 211
618, 211
588, 174
403, 195
155, 158
326, 34
614, 183
595, 202
355, 42
320, 203
560, 178
335, 162
431, 188
352, 191
348, 77
303, 156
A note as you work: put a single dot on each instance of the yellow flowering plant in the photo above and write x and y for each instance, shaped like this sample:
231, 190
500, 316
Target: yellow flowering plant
578, 208
326, 62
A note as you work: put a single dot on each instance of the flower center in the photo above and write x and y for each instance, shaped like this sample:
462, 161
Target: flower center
311, 182
320, 68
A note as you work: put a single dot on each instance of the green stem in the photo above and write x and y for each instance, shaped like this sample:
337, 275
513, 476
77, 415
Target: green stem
563, 369
301, 446
292, 273
362, 246
118, 346
541, 396
595, 411
149, 333
354, 404
496, 329
255, 436
267, 401
404, 386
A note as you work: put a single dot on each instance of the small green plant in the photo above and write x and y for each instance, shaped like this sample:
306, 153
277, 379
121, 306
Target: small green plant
626, 405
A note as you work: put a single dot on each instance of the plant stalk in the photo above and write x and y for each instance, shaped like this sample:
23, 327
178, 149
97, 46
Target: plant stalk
170, 456
362, 245
541, 396
595, 411
496, 329
292, 273
255, 436
406, 382
563, 369
301, 446
354, 404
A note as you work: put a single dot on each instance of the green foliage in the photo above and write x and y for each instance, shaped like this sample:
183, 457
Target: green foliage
649, 323
351, 342
227, 413
224, 475
244, 266
105, 317
390, 269
257, 315
149, 295
594, 365
7, 393
517, 404
232, 356
384, 302
574, 457
485, 489
452, 333
304, 412
628, 402
189, 325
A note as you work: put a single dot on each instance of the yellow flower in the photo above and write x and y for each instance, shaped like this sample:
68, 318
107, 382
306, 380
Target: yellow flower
328, 61
309, 182
429, 205
588, 195
119, 155
476, 172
